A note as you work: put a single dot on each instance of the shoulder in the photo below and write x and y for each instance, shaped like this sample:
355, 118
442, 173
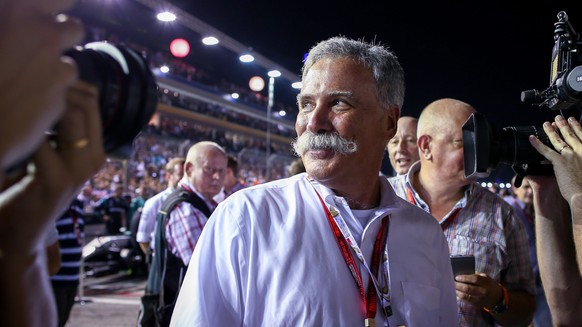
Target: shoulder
269, 201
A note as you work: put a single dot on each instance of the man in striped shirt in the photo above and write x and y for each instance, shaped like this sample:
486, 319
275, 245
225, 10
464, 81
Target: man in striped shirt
71, 239
474, 220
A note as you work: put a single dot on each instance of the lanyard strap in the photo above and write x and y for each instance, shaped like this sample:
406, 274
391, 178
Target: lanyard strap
344, 244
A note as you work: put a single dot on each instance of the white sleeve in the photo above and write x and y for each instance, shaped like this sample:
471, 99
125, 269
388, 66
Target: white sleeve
211, 294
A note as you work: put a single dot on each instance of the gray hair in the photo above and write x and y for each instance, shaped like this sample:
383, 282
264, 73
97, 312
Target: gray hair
386, 70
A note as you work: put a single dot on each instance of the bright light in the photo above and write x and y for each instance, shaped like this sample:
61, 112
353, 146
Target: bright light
210, 40
489, 184
257, 83
234, 95
166, 16
179, 48
508, 185
165, 69
274, 73
246, 58
297, 85
282, 113
483, 184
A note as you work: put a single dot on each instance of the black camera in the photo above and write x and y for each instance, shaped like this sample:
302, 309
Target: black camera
485, 146
127, 91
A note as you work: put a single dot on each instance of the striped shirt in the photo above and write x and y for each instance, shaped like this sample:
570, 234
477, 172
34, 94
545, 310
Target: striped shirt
71, 238
484, 225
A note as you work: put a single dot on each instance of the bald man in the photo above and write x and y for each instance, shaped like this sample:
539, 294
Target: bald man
402, 148
204, 172
475, 222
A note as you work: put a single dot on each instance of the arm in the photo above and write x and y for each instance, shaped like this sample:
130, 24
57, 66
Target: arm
484, 292
556, 252
558, 215
55, 176
183, 230
147, 222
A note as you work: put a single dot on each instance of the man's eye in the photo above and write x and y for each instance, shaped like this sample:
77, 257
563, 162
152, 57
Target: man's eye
306, 106
340, 104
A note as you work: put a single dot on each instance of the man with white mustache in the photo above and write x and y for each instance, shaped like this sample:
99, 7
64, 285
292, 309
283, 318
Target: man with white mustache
333, 246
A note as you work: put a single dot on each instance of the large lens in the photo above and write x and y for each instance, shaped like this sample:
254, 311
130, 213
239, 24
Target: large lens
514, 147
485, 147
127, 91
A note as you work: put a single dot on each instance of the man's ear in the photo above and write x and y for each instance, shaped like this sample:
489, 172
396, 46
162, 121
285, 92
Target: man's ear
188, 168
424, 146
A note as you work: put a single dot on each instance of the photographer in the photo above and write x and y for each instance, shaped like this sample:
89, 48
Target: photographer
39, 92
558, 208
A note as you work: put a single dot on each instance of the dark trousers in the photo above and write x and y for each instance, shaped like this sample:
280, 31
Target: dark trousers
64, 298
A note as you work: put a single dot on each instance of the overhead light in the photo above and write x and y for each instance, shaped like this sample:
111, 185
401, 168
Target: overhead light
274, 73
246, 58
166, 16
180, 48
210, 40
235, 95
297, 85
257, 83
165, 69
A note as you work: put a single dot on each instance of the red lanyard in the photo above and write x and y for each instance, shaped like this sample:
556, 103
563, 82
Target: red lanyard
369, 301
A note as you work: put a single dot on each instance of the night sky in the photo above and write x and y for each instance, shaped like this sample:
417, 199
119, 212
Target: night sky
484, 53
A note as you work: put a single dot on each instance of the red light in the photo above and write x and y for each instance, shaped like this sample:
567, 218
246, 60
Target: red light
179, 48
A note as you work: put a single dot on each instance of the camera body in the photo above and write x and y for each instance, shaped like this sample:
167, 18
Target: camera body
485, 146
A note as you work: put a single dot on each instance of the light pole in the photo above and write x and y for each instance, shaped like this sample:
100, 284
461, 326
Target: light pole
272, 75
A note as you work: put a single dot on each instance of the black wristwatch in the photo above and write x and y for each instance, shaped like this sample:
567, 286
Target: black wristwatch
502, 306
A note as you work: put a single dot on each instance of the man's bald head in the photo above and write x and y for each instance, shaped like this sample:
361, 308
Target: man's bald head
442, 115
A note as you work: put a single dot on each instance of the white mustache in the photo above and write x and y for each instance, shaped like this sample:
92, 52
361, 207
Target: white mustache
332, 141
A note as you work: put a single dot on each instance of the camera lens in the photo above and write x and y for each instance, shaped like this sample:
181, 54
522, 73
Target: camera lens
127, 91
514, 147
485, 147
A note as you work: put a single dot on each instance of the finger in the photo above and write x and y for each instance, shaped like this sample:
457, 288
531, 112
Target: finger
544, 150
85, 124
49, 175
575, 126
553, 135
567, 133
70, 31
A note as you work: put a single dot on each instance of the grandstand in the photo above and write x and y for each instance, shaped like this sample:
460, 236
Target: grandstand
195, 102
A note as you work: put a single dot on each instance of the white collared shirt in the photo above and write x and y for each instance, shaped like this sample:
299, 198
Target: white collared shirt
267, 257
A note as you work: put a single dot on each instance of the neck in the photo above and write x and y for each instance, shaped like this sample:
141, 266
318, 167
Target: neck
363, 198
439, 196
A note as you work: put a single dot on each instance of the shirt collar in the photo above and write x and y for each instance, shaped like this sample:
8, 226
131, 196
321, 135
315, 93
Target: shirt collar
388, 198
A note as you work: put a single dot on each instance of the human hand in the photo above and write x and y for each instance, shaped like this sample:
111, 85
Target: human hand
34, 77
478, 289
567, 159
61, 166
